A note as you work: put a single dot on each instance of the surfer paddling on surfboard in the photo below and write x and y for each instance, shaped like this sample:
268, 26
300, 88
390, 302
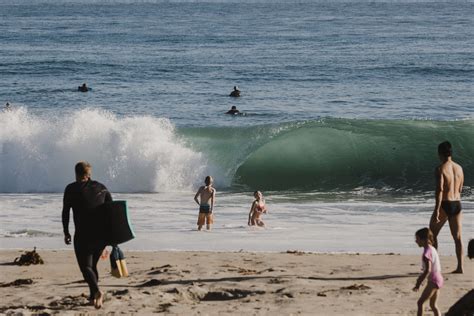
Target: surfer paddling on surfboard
85, 197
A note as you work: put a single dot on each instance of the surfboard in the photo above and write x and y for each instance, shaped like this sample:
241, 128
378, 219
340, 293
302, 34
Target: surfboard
117, 226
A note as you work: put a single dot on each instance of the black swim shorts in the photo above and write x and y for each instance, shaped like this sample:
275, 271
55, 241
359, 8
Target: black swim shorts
451, 208
205, 209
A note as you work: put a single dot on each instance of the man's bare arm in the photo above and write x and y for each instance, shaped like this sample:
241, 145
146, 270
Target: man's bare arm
423, 275
196, 196
439, 192
251, 211
213, 196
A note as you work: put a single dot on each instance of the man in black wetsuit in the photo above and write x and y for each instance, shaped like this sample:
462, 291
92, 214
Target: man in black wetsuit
83, 88
85, 197
233, 111
235, 93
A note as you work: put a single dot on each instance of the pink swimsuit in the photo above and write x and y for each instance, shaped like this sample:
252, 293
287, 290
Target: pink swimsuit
435, 276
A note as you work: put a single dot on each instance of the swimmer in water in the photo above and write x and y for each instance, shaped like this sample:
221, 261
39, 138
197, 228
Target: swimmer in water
257, 209
233, 111
235, 93
83, 88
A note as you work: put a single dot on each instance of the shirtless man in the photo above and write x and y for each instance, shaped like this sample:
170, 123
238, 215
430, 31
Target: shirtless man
449, 182
207, 195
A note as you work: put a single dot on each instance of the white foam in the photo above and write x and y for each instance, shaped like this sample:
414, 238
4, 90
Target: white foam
133, 154
167, 221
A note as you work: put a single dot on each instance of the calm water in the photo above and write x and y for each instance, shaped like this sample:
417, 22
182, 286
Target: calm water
295, 61
344, 106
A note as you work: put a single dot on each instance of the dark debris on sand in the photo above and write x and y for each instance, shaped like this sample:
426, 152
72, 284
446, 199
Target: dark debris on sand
356, 287
33, 308
163, 308
69, 302
350, 288
229, 294
120, 292
152, 282
296, 252
18, 282
28, 258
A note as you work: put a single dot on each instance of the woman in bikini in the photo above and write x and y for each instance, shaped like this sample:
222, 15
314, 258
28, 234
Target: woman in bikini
256, 210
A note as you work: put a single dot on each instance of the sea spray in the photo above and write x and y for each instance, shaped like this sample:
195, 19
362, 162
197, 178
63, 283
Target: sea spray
132, 154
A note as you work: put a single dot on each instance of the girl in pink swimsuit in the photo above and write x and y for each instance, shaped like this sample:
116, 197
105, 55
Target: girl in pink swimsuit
257, 209
431, 268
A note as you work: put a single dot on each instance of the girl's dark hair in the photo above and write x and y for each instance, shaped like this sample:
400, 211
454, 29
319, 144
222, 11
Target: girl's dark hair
425, 234
208, 180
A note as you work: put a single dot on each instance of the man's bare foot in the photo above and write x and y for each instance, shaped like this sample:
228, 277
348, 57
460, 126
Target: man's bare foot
98, 299
458, 271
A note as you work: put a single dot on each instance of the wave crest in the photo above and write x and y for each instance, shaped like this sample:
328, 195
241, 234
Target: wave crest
134, 154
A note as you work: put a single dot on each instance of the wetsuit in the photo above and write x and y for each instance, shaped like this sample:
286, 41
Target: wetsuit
85, 199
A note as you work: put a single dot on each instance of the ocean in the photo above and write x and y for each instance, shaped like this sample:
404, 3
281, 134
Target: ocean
343, 105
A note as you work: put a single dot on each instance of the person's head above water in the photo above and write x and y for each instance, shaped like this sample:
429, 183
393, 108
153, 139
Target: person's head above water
235, 92
233, 110
83, 88
83, 170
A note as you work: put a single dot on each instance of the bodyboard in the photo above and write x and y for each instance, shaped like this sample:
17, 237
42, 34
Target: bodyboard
116, 223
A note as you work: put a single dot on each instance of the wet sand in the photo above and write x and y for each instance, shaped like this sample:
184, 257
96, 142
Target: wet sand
235, 283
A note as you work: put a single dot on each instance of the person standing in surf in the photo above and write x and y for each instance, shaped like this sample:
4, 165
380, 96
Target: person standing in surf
257, 209
85, 197
207, 196
449, 181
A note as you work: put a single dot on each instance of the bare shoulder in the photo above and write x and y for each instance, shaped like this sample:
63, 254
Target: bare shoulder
457, 166
201, 188
445, 166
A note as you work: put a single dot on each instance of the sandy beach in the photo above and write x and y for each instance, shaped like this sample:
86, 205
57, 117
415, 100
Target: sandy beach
234, 283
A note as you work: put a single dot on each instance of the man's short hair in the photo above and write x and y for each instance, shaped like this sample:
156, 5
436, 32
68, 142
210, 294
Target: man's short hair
82, 168
208, 180
445, 149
